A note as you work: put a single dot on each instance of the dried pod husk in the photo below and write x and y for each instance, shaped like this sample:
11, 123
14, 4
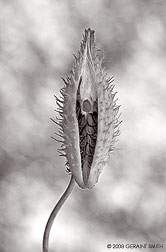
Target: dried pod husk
89, 122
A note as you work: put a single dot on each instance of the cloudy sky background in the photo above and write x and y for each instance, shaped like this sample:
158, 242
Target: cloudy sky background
37, 40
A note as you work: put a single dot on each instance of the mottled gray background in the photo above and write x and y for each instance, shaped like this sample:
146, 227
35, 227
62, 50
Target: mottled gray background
128, 205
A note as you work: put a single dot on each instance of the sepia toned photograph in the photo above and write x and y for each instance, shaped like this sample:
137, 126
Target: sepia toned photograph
82, 120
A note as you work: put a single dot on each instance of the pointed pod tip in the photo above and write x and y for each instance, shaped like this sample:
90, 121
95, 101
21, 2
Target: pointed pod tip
90, 30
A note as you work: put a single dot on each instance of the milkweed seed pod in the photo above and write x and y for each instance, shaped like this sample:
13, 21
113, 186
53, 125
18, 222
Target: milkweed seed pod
89, 121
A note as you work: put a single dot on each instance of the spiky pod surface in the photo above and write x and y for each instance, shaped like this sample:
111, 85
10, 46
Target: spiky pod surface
89, 122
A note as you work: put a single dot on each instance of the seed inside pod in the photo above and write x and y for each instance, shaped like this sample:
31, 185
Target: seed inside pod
86, 106
87, 133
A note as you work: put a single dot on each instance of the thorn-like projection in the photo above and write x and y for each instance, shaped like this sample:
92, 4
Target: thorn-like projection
59, 100
58, 135
66, 83
75, 57
57, 140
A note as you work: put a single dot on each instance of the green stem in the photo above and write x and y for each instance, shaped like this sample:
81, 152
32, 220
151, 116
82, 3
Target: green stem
54, 213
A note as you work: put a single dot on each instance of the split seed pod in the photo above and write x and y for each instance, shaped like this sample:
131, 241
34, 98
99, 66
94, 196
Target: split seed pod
89, 121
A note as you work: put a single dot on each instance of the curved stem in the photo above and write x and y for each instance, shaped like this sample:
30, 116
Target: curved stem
54, 213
